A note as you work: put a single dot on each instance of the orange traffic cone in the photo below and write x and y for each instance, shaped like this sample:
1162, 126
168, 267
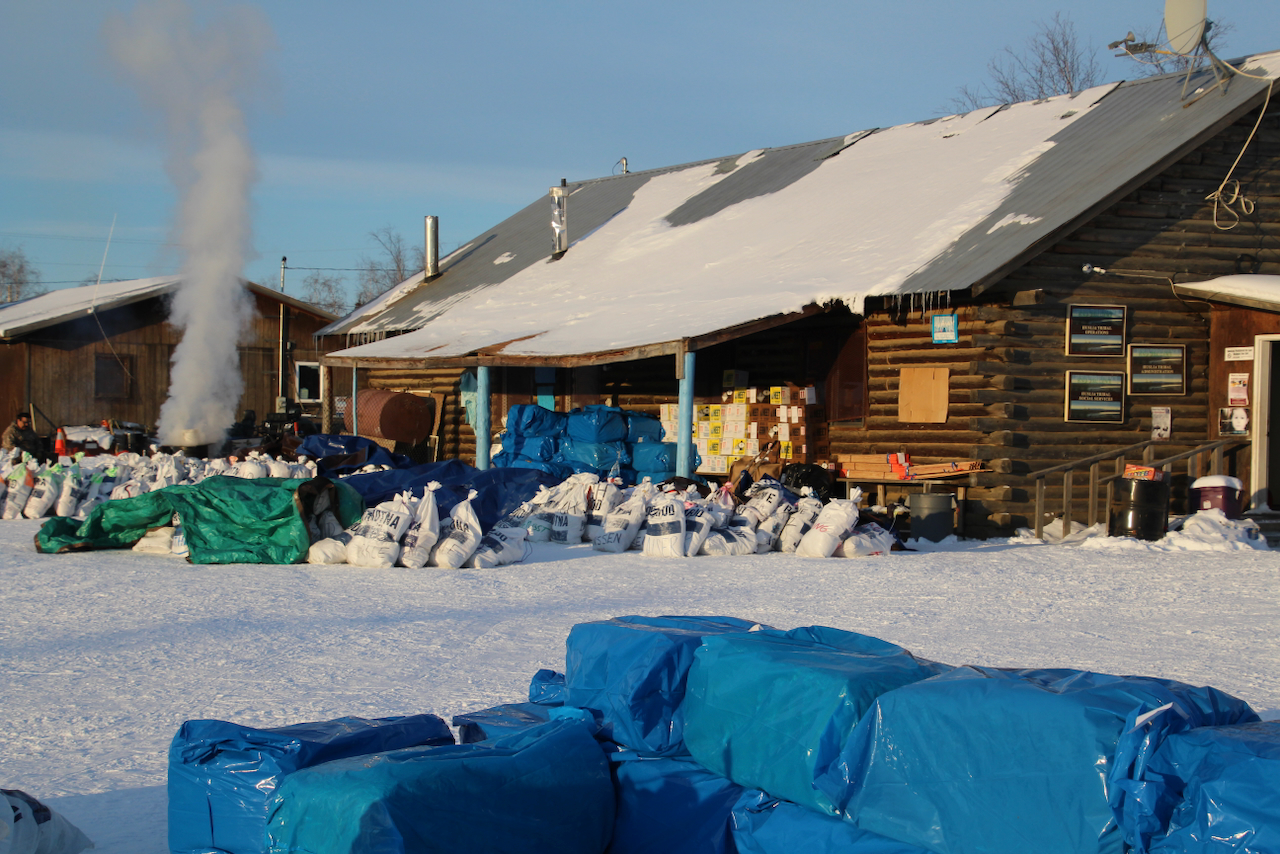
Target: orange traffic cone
60, 443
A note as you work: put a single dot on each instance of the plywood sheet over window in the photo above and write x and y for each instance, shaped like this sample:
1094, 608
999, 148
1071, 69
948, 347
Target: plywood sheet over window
922, 395
112, 377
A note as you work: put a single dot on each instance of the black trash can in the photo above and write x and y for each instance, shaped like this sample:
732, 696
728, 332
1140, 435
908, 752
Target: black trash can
1141, 509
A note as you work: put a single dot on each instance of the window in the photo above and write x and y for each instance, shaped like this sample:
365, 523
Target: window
308, 380
112, 377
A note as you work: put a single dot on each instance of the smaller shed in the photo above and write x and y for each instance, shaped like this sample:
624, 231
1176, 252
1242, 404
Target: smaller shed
95, 352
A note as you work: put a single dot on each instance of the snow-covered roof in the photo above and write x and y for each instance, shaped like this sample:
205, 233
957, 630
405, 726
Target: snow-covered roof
1248, 289
66, 304
673, 254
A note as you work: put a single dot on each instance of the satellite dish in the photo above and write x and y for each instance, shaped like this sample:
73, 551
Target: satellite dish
1184, 24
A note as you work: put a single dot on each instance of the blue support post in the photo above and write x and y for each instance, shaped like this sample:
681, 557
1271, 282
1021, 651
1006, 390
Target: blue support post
482, 418
684, 415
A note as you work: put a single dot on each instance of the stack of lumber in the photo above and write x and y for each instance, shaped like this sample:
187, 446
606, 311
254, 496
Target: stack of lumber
899, 467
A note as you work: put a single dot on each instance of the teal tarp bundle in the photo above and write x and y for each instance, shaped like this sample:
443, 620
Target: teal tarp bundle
542, 789
989, 761
632, 670
226, 519
765, 708
222, 775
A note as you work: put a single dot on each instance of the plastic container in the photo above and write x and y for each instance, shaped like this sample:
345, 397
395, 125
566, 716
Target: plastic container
1141, 509
932, 515
1219, 492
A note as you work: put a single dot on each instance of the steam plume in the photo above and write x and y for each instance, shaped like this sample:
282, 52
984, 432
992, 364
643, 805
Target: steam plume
197, 77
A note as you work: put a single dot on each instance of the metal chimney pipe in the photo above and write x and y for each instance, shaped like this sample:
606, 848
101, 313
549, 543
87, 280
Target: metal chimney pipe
432, 246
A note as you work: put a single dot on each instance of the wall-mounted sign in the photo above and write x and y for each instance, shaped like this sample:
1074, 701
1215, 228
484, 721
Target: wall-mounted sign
1161, 422
1095, 330
946, 329
1233, 421
1237, 389
1157, 369
1095, 396
1238, 354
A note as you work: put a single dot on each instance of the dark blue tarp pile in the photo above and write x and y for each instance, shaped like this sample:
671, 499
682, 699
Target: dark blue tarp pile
546, 788
601, 440
668, 735
223, 776
499, 491
336, 454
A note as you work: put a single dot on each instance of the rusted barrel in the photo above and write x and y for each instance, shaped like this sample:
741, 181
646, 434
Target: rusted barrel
394, 415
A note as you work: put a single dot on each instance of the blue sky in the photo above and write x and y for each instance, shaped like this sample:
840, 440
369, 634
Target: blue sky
374, 115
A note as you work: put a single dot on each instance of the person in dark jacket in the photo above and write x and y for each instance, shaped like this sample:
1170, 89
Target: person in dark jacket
19, 437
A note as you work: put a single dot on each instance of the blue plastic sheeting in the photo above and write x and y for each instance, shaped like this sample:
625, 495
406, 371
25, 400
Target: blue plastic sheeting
596, 455
500, 721
540, 789
633, 669
546, 688
1228, 779
327, 445
643, 428
993, 761
654, 456
666, 806
766, 709
597, 424
541, 448
500, 490
763, 824
222, 776
529, 419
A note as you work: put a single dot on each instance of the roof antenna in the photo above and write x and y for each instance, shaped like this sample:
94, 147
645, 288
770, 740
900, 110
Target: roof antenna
623, 163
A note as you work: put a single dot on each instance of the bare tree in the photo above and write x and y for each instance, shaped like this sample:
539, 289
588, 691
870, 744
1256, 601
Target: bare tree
1053, 62
18, 279
397, 262
325, 291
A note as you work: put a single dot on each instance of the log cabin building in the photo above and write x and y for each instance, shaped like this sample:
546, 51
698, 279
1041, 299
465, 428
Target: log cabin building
1014, 287
79, 356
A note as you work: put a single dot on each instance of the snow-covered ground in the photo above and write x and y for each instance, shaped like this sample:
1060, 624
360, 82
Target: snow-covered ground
104, 654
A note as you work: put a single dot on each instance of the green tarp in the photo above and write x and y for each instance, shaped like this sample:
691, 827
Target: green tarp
225, 519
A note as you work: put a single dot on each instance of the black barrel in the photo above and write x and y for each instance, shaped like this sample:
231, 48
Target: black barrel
1141, 509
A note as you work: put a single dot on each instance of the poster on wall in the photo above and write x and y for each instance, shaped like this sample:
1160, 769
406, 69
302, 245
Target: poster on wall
1157, 369
1161, 423
1237, 389
1095, 396
1233, 421
1095, 330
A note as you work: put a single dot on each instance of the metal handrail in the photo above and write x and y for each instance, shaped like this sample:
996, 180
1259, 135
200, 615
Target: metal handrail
1215, 449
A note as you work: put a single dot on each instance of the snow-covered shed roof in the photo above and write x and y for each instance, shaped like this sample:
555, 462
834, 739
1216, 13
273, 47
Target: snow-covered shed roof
66, 304
661, 258
1247, 289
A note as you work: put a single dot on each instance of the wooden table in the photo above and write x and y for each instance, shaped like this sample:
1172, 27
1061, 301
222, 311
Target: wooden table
961, 489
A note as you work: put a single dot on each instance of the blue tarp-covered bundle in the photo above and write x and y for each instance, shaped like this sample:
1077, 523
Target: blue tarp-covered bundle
222, 776
594, 457
763, 824
1227, 780
993, 761
597, 424
547, 688
532, 421
633, 669
500, 720
540, 448
643, 428
546, 788
669, 806
766, 708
